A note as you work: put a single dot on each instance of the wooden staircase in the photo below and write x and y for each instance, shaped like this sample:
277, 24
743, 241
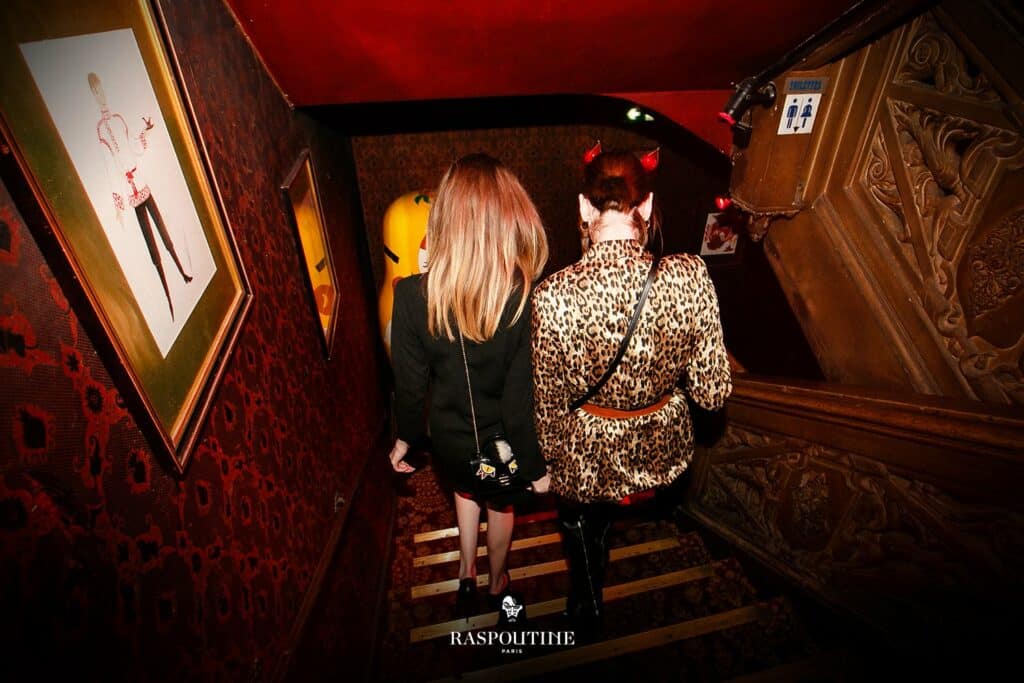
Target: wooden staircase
673, 611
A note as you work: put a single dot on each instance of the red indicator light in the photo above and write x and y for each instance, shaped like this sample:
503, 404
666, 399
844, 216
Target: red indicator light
722, 203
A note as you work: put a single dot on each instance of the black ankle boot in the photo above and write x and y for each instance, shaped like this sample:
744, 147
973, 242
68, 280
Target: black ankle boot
584, 541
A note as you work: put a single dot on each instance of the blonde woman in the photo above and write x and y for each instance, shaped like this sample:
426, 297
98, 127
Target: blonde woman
463, 329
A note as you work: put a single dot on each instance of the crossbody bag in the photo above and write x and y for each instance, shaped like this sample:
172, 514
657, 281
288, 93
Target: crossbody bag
493, 465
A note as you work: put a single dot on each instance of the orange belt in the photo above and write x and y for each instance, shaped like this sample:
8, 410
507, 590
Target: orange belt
616, 414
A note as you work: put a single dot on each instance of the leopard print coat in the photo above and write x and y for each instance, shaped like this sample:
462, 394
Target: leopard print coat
580, 315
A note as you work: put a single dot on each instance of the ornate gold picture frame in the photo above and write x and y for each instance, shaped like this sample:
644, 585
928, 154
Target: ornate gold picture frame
302, 202
131, 218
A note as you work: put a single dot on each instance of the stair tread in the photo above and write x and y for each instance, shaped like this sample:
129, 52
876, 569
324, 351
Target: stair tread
754, 646
541, 609
607, 649
656, 599
547, 578
452, 532
712, 647
669, 605
531, 551
549, 567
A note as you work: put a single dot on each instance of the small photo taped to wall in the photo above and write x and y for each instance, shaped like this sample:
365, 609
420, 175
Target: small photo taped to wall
719, 237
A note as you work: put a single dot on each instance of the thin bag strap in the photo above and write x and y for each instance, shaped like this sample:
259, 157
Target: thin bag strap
469, 387
625, 340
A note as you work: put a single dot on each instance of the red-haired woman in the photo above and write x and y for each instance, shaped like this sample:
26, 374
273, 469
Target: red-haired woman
635, 432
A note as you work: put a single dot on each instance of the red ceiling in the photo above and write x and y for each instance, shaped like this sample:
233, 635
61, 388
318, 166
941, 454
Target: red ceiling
338, 52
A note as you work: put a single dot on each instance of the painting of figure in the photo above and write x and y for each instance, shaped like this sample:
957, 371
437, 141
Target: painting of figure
719, 238
99, 97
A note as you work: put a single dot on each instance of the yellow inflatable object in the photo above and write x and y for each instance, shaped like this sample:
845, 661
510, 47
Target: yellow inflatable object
405, 249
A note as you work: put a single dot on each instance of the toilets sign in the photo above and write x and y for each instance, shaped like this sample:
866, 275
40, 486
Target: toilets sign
800, 105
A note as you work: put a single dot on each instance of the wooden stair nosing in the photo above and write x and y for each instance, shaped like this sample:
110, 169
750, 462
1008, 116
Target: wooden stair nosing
553, 567
540, 609
518, 544
454, 530
481, 551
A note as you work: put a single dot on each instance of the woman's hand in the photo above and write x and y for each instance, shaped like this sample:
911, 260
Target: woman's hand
397, 457
541, 485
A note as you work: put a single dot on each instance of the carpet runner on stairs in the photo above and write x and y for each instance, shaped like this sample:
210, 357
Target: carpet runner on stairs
673, 612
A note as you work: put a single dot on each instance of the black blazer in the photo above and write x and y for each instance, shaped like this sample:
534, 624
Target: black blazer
501, 374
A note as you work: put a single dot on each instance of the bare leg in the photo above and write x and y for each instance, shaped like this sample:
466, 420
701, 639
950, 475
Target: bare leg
499, 538
467, 512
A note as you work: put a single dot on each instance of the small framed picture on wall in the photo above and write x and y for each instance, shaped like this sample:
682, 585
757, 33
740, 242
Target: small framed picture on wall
719, 237
303, 206
721, 241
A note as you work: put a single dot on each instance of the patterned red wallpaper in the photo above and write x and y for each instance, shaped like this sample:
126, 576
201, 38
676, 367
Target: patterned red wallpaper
113, 567
548, 160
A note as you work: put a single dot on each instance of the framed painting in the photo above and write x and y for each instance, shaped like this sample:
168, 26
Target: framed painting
302, 203
91, 109
721, 235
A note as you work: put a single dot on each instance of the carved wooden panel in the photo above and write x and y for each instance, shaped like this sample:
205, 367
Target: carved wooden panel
904, 258
851, 529
942, 153
933, 60
904, 263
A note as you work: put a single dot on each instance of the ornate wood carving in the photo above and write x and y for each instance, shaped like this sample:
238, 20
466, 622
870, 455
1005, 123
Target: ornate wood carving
935, 61
878, 179
881, 183
934, 175
902, 209
850, 527
953, 166
908, 255
759, 220
996, 263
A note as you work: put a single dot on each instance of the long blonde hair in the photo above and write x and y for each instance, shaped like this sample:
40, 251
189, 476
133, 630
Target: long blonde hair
485, 242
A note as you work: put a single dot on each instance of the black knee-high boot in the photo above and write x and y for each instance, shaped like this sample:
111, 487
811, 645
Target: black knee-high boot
584, 538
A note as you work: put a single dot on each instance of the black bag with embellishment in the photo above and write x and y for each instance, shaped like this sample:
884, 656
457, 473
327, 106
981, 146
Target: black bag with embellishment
493, 466
495, 469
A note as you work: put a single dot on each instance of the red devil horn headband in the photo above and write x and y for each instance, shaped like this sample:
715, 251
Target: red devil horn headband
592, 153
650, 160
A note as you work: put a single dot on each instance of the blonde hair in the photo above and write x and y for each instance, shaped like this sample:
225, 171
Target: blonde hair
485, 242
